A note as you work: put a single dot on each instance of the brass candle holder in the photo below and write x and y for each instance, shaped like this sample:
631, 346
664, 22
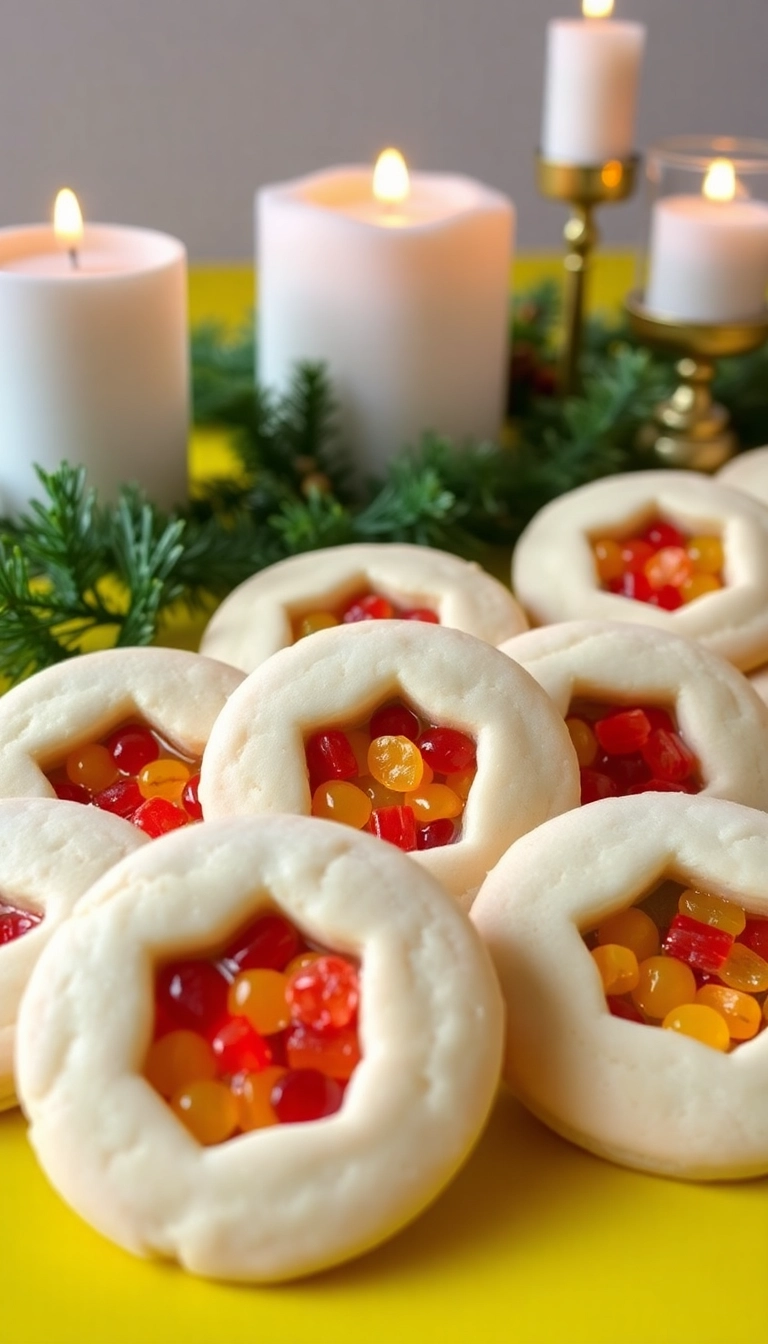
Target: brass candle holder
689, 429
583, 188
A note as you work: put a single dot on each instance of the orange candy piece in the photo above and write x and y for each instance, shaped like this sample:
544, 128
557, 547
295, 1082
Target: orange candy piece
460, 781
713, 910
335, 1054
741, 1012
631, 928
253, 1095
609, 560
744, 969
583, 739
670, 566
663, 984
706, 554
434, 802
92, 767
312, 622
163, 778
341, 801
396, 763
259, 996
179, 1058
698, 586
617, 966
701, 1022
209, 1110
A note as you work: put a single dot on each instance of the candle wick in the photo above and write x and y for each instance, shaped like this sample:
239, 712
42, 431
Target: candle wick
73, 257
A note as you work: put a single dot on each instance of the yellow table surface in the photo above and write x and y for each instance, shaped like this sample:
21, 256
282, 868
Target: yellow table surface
535, 1242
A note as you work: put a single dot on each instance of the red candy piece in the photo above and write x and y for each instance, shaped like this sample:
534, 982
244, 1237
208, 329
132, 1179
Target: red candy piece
668, 757
371, 607
659, 718
635, 586
330, 756
667, 597
267, 944
701, 946
334, 1053
394, 721
420, 614
123, 798
435, 833
447, 750
190, 800
70, 793
755, 935
324, 994
626, 731
133, 748
395, 824
660, 535
15, 923
305, 1094
594, 785
625, 771
635, 554
192, 995
157, 816
239, 1048
624, 1008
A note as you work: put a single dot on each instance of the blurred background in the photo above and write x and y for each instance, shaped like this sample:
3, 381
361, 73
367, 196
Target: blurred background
169, 113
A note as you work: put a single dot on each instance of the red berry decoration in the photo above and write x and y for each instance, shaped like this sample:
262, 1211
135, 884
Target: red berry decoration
305, 1094
133, 748
447, 750
667, 597
324, 994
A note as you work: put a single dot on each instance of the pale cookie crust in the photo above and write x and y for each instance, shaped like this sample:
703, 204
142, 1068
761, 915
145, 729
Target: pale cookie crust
527, 768
255, 620
177, 693
554, 573
636, 1094
747, 472
721, 718
50, 854
292, 1199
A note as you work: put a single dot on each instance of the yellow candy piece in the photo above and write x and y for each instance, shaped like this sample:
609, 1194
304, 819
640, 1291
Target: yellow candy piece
434, 802
338, 800
253, 1098
741, 1012
583, 739
312, 622
713, 910
460, 780
179, 1058
744, 969
706, 553
303, 959
208, 1109
379, 794
631, 928
359, 740
608, 559
698, 586
164, 778
92, 767
618, 968
260, 996
701, 1022
396, 762
663, 984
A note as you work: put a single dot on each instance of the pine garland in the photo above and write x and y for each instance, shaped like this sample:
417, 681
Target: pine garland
73, 571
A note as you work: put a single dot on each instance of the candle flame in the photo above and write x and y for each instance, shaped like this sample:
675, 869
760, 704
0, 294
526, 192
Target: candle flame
597, 9
68, 219
720, 181
391, 183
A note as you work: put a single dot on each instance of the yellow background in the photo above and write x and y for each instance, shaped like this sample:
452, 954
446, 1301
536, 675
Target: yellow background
535, 1242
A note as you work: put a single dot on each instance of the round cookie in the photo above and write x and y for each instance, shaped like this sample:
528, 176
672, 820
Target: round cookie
294, 1198
176, 693
638, 1095
747, 472
555, 578
50, 854
526, 765
720, 717
257, 618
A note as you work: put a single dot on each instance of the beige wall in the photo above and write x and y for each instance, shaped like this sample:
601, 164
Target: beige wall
169, 112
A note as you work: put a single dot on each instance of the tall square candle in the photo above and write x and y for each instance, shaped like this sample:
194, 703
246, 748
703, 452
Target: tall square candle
404, 298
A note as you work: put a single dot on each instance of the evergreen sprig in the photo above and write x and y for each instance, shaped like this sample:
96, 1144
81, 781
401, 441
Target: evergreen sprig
73, 570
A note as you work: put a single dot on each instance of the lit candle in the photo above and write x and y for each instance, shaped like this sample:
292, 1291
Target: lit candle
708, 257
94, 364
590, 89
399, 284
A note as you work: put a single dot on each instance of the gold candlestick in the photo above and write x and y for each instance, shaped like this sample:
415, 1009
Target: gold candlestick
583, 188
689, 429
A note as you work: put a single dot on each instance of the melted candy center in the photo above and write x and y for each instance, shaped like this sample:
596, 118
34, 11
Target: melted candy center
366, 606
264, 1033
630, 749
15, 921
135, 774
398, 776
686, 960
662, 565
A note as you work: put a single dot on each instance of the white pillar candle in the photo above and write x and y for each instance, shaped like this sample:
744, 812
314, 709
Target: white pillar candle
405, 300
94, 362
708, 256
590, 89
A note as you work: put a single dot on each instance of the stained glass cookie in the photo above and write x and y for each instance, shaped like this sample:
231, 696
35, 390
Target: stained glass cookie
650, 711
270, 1196
630, 942
345, 584
425, 736
50, 854
670, 549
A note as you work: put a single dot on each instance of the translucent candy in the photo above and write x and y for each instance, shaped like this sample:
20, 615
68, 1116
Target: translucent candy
744, 969
190, 800
663, 984
305, 1094
670, 566
394, 721
163, 778
254, 1093
397, 825
369, 607
157, 816
270, 941
460, 781
755, 935
324, 995
330, 756
132, 748
396, 763
208, 1110
583, 739
434, 803
123, 798
336, 1054
341, 801
595, 784
701, 1022
447, 750
706, 553
667, 756
239, 1048
15, 922
609, 561
314, 621
617, 966
635, 553
659, 534
379, 794
700, 945
179, 1058
92, 767
714, 910
740, 1011
626, 731
631, 928
261, 997
192, 994
435, 834
698, 586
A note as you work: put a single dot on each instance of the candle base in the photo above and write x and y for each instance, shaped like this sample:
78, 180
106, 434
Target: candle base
583, 187
689, 429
